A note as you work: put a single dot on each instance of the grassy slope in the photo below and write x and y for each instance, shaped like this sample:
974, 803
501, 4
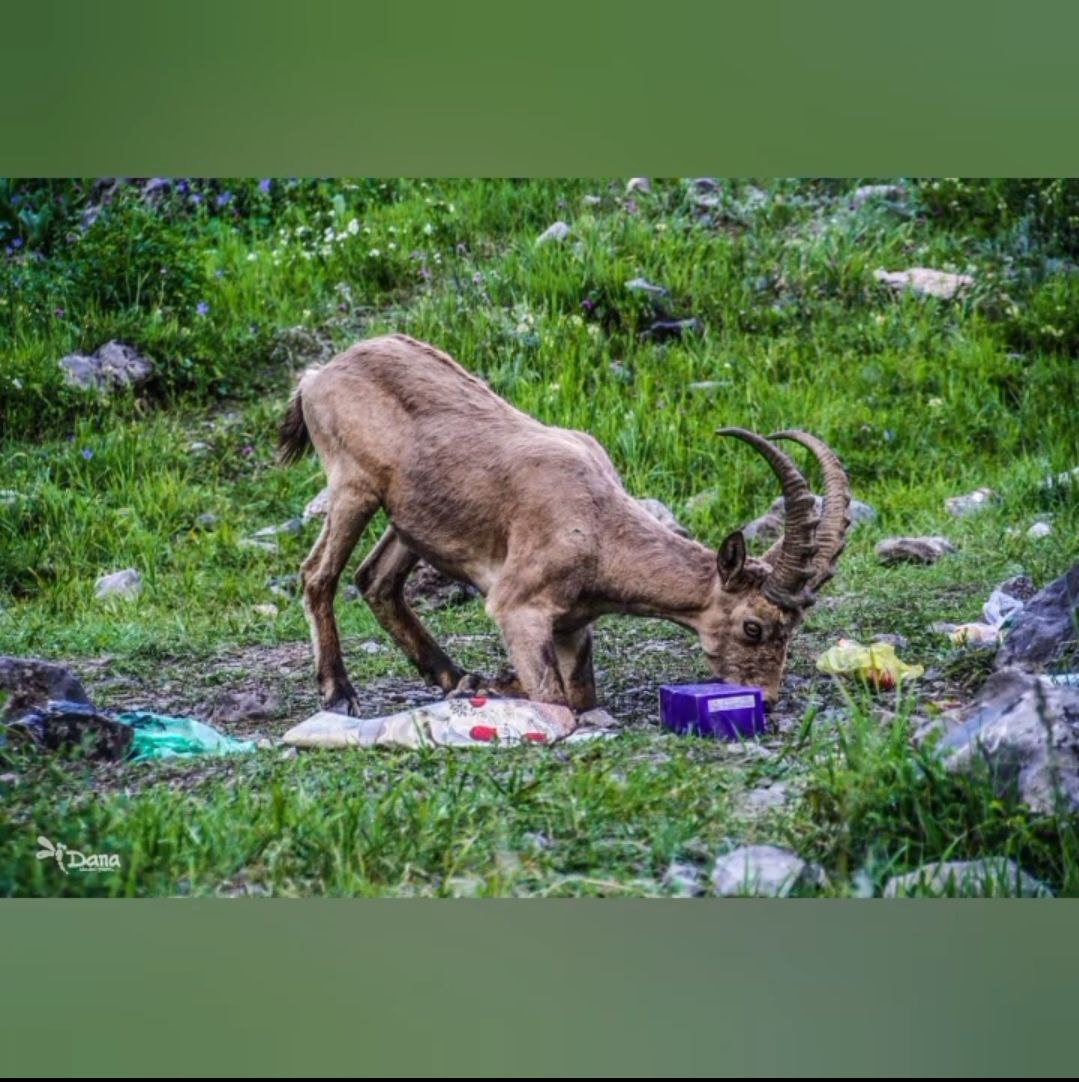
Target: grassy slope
922, 399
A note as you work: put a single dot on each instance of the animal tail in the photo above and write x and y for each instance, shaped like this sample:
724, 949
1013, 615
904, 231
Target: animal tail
293, 439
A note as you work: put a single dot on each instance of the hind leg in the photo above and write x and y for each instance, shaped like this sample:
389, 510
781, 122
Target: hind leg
351, 508
381, 580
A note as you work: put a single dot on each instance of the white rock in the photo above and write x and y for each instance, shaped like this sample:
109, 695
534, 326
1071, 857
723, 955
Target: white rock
876, 191
638, 184
266, 610
125, 584
557, 232
978, 500
763, 871
987, 878
1040, 529
925, 281
318, 507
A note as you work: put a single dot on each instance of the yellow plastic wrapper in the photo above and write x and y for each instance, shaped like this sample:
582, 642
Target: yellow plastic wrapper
878, 665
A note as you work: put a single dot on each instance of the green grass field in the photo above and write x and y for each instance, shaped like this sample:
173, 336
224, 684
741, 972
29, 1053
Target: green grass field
232, 287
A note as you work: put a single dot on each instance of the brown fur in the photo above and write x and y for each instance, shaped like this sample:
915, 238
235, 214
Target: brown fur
535, 517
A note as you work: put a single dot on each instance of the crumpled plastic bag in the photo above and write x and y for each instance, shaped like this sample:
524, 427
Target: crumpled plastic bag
158, 736
998, 613
476, 722
878, 664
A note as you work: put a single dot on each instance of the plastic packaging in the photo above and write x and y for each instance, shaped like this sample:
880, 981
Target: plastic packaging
476, 722
878, 664
158, 736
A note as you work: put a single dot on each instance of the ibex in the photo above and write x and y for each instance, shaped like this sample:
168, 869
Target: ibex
537, 519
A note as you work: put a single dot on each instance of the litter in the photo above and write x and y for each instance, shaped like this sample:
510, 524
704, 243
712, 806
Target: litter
157, 736
998, 613
726, 711
878, 664
468, 723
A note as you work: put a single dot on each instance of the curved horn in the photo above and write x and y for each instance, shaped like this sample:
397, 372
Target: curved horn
831, 534
793, 567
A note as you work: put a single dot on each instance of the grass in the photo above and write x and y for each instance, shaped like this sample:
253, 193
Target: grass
922, 398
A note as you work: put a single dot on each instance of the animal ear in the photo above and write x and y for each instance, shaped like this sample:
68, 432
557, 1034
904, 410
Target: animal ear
731, 557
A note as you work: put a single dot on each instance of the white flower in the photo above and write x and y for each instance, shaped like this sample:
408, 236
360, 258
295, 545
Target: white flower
428, 229
391, 247
251, 257
328, 235
374, 253
353, 227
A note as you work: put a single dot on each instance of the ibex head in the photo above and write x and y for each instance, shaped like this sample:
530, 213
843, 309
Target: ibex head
758, 603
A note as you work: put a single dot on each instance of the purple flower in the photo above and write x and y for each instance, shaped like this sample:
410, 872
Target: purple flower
181, 187
248, 450
264, 187
58, 312
224, 199
588, 305
202, 308
17, 242
219, 274
477, 279
196, 198
87, 453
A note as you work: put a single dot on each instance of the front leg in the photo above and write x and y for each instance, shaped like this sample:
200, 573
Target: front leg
529, 635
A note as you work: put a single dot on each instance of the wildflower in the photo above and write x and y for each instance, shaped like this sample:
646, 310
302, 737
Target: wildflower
428, 229
247, 450
58, 312
87, 453
224, 199
374, 253
17, 243
588, 304
264, 187
353, 227
219, 273
477, 279
202, 308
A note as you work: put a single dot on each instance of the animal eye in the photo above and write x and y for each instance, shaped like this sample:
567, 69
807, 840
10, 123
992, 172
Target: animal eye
752, 629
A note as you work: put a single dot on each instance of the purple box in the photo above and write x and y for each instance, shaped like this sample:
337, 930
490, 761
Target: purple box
724, 711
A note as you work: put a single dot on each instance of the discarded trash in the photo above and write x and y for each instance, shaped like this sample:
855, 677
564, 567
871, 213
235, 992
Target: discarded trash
726, 711
997, 614
61, 723
157, 736
878, 665
476, 722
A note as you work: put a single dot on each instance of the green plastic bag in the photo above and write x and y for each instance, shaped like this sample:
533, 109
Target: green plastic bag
158, 736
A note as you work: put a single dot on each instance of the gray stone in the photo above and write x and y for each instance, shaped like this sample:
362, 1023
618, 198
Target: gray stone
111, 366
763, 871
891, 639
992, 877
765, 798
925, 281
921, 550
239, 706
967, 504
1044, 632
662, 513
769, 527
125, 584
638, 184
558, 231
642, 285
318, 507
868, 192
683, 879
1026, 731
